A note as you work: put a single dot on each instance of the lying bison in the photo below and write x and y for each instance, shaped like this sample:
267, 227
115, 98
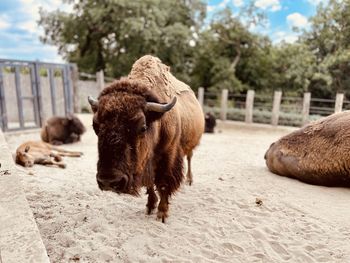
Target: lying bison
32, 152
62, 130
316, 154
146, 124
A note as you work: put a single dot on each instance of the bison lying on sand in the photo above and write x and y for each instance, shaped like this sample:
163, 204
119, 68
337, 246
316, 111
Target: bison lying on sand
61, 130
146, 124
316, 154
30, 153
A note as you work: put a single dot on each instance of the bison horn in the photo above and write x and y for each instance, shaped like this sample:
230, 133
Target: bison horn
93, 103
158, 107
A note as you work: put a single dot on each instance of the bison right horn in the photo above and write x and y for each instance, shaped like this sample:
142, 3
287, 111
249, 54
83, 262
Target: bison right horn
158, 107
93, 103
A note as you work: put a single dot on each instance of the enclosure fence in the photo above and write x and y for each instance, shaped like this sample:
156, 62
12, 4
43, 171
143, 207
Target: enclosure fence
274, 109
32, 91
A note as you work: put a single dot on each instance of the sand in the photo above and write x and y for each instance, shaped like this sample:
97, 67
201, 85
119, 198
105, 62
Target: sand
235, 211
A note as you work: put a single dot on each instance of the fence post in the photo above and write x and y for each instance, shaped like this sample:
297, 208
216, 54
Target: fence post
249, 103
201, 96
75, 80
223, 111
276, 107
339, 102
100, 79
306, 107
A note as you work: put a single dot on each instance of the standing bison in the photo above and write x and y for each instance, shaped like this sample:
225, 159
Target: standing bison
210, 122
146, 123
316, 154
62, 130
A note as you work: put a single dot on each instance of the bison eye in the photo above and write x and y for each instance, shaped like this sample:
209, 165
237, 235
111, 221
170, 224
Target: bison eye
143, 129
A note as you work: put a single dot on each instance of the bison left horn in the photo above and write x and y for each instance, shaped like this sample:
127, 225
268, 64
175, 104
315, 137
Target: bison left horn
93, 103
158, 107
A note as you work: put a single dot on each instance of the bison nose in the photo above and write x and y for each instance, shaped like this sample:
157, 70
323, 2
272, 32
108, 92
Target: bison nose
118, 184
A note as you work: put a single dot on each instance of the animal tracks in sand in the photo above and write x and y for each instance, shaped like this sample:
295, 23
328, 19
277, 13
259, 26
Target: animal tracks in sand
214, 220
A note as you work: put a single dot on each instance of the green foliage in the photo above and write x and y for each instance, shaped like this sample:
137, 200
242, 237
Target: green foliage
218, 54
112, 34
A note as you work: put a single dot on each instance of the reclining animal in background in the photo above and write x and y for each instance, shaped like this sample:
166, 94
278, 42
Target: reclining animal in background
210, 122
62, 130
37, 152
317, 153
146, 124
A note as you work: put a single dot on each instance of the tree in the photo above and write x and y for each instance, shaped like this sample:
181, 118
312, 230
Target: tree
112, 34
219, 52
329, 41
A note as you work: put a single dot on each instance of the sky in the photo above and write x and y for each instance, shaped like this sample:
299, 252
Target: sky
19, 32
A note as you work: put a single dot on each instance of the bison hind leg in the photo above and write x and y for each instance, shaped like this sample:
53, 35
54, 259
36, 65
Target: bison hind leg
189, 175
152, 200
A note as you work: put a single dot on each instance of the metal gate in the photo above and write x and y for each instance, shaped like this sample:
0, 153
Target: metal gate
32, 91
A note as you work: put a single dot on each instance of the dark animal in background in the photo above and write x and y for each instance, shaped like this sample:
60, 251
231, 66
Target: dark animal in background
210, 122
146, 124
62, 130
37, 152
317, 153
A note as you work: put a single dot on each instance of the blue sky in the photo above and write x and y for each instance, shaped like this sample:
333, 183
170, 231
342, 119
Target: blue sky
19, 33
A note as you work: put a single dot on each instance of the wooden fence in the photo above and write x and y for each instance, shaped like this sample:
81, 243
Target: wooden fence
304, 108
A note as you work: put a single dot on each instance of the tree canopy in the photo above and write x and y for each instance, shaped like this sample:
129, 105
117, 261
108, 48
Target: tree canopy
213, 52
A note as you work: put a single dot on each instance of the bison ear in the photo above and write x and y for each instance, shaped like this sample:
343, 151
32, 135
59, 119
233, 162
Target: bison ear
93, 103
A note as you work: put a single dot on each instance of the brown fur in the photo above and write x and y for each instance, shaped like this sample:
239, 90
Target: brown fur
317, 153
151, 157
37, 152
62, 130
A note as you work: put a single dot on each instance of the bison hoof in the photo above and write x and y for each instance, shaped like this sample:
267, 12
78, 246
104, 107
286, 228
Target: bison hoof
150, 209
62, 165
189, 181
162, 216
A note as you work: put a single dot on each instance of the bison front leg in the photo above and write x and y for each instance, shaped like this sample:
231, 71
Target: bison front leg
163, 206
152, 200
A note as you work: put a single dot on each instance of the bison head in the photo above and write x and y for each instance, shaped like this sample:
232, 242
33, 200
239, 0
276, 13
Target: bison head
24, 158
125, 121
75, 125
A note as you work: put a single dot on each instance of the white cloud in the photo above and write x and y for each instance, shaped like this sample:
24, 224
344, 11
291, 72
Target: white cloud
317, 2
238, 3
4, 22
223, 3
282, 36
273, 5
297, 20
29, 25
210, 8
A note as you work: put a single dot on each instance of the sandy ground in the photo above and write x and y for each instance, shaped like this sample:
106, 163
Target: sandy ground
236, 211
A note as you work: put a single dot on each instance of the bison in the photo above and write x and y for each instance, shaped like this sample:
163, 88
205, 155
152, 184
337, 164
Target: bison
37, 152
62, 130
146, 123
317, 153
210, 122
